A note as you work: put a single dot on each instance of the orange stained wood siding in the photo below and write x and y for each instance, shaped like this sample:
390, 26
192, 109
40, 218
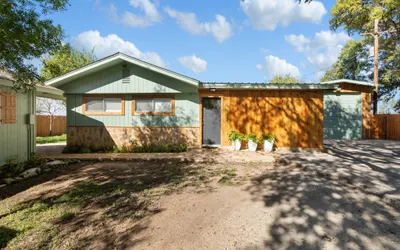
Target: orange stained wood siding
295, 116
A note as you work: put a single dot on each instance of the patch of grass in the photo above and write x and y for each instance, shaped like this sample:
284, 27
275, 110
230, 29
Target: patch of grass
51, 139
226, 180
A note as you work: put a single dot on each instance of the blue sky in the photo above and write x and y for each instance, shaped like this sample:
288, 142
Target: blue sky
229, 41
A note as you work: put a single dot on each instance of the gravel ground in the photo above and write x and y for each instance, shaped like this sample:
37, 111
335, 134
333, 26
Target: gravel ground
335, 200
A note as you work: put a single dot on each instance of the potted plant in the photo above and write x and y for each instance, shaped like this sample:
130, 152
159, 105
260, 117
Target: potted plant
267, 140
252, 142
236, 139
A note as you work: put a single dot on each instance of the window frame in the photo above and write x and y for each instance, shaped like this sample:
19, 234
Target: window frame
172, 113
104, 113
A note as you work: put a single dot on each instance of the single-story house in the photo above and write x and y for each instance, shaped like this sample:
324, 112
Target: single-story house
121, 100
18, 118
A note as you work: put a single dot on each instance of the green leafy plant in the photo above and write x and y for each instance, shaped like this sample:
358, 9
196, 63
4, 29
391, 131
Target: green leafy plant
267, 137
251, 137
234, 135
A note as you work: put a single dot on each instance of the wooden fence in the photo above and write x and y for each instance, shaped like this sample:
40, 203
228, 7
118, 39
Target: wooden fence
43, 125
385, 127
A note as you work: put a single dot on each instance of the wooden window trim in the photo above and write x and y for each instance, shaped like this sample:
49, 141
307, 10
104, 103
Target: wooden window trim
122, 113
172, 113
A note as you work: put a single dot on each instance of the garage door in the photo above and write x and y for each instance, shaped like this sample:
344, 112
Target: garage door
342, 116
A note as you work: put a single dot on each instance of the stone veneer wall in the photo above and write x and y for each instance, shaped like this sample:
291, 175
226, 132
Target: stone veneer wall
119, 136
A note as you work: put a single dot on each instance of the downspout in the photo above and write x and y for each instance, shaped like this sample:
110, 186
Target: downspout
31, 123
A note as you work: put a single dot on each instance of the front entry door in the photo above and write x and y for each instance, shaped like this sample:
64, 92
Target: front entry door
211, 121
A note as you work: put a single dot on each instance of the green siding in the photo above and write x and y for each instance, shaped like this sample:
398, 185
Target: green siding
186, 114
342, 116
15, 139
141, 81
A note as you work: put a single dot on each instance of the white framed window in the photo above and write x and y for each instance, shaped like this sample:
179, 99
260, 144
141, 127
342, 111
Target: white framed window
153, 105
98, 105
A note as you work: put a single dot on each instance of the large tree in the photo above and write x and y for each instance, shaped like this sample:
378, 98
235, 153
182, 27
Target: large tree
26, 34
353, 63
65, 60
358, 17
285, 79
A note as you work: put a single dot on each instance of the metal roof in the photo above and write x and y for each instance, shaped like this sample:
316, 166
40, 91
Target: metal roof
221, 85
363, 83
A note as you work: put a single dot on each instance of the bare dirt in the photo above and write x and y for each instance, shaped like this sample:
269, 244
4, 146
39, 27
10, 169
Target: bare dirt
303, 201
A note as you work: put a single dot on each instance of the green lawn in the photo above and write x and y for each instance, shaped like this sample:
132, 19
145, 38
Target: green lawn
51, 139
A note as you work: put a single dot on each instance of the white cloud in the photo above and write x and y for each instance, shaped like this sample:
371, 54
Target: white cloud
220, 28
149, 16
274, 66
321, 51
297, 41
110, 44
194, 63
268, 14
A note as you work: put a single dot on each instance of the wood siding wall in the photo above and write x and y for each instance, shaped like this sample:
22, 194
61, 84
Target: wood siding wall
295, 116
43, 125
15, 141
385, 127
186, 114
141, 80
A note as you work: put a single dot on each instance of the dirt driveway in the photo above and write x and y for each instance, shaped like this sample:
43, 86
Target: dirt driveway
303, 201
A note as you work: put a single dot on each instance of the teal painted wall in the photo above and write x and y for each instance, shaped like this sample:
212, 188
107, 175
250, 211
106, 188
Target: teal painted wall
18, 140
186, 114
141, 81
342, 116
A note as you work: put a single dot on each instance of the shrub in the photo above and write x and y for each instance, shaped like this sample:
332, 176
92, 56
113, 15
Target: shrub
234, 135
14, 167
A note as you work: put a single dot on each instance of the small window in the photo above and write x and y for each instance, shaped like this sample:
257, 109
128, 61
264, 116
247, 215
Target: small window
154, 106
103, 106
8, 108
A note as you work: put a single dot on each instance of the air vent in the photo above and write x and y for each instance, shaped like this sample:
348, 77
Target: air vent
126, 75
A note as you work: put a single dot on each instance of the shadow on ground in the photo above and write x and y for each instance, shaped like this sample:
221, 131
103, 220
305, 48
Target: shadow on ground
333, 201
101, 205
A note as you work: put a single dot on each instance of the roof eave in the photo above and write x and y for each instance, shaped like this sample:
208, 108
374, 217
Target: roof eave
58, 81
268, 86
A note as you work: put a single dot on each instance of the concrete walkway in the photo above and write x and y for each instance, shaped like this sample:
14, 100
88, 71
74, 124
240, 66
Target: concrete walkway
222, 155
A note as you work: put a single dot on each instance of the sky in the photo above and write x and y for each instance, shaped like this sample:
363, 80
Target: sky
212, 41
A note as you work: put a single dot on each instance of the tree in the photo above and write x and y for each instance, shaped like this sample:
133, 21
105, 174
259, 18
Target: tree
54, 109
286, 79
353, 63
357, 16
65, 60
25, 36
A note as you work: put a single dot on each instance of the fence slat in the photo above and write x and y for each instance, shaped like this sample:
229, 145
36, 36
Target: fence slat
385, 127
43, 125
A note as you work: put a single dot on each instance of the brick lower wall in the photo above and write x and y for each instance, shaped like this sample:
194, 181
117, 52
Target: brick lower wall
119, 136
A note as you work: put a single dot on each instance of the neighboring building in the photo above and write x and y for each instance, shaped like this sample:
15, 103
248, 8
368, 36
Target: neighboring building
121, 100
17, 118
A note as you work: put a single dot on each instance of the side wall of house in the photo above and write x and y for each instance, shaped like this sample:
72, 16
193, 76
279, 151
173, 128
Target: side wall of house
295, 116
118, 130
15, 139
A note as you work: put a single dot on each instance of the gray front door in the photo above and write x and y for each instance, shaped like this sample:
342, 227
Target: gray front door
211, 121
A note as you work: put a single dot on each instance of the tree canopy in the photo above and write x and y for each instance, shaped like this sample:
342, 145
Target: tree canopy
65, 60
353, 63
286, 79
25, 35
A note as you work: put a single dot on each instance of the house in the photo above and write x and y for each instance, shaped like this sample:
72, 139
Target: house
121, 100
17, 118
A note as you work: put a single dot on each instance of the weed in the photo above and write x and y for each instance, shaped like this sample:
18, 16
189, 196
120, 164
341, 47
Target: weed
51, 139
